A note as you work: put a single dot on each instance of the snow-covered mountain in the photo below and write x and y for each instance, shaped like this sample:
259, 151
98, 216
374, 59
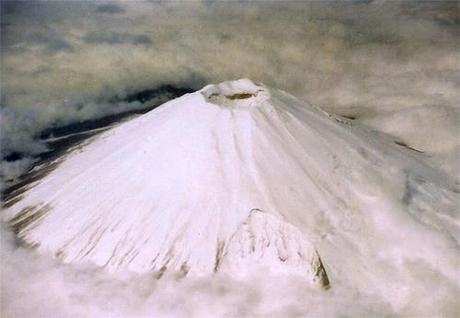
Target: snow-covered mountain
237, 178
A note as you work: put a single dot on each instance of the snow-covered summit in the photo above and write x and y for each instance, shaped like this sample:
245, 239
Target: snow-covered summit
240, 177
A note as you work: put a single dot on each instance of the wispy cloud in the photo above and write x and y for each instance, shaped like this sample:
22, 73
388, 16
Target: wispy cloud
110, 8
117, 38
51, 42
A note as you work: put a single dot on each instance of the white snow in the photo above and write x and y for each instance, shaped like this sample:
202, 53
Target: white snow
238, 179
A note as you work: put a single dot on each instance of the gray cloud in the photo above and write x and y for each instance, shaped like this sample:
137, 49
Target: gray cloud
110, 8
52, 43
117, 38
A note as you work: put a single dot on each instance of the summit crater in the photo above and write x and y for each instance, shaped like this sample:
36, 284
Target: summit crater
236, 94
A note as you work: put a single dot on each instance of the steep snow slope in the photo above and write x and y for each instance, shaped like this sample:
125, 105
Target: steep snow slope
241, 178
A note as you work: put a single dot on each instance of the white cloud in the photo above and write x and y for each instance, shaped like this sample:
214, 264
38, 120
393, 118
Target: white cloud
36, 285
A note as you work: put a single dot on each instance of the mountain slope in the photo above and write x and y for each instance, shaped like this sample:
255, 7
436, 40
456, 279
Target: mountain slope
237, 178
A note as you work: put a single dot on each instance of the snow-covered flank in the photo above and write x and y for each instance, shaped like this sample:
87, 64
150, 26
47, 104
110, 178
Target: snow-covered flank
240, 178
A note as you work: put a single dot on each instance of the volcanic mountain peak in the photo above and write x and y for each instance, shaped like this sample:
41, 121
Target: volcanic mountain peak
237, 177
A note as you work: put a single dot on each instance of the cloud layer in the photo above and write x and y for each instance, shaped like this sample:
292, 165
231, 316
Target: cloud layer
38, 286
